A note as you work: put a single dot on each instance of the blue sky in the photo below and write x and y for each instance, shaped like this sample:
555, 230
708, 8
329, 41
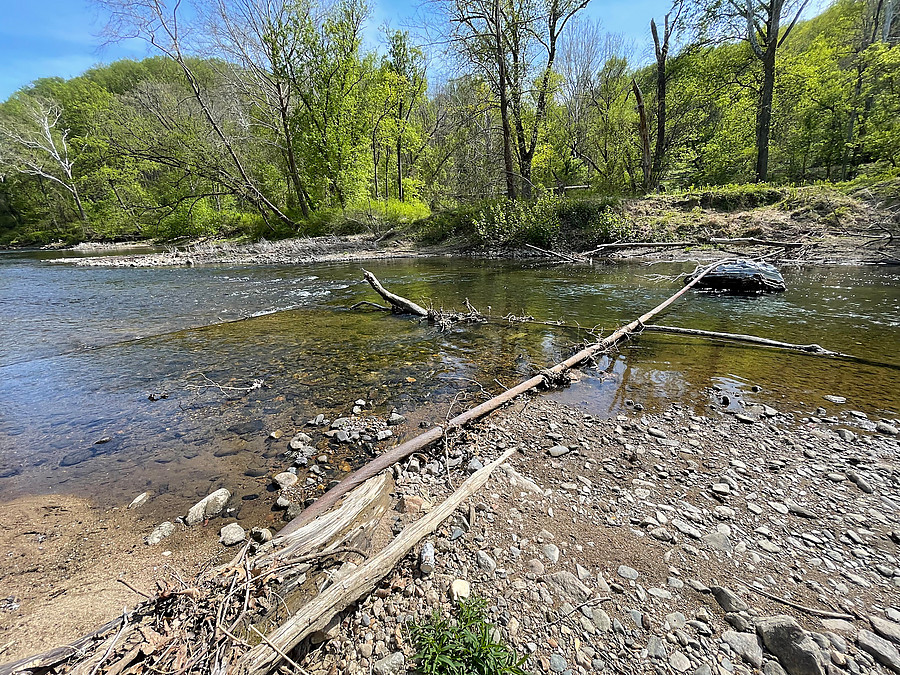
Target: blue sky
45, 38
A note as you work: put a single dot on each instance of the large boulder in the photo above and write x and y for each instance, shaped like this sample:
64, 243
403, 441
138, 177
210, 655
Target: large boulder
795, 649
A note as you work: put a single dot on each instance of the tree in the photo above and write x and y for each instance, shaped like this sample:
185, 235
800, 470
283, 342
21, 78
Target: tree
759, 22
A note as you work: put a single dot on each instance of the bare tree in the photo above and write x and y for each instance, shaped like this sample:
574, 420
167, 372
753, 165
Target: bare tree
159, 24
34, 144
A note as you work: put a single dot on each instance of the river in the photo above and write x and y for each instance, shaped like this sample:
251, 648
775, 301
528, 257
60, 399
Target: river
82, 349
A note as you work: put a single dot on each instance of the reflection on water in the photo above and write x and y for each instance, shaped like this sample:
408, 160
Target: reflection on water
59, 398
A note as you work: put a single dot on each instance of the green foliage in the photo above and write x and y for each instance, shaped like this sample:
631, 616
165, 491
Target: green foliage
733, 197
464, 645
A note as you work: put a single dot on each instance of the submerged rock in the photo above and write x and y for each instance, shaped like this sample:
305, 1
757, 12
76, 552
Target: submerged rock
211, 505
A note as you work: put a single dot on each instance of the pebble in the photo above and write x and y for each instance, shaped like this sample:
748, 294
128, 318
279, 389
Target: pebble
679, 662
627, 572
232, 534
163, 530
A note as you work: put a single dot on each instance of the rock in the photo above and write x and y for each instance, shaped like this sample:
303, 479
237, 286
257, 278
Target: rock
535, 566
798, 510
627, 572
393, 664
888, 429
662, 534
658, 433
746, 645
474, 465
412, 504
460, 589
886, 629
299, 441
838, 626
880, 649
728, 599
846, 435
211, 505
395, 419
795, 649
261, 535
679, 662
686, 528
557, 663
140, 500
163, 530
601, 620
286, 479
558, 451
656, 647
835, 399
746, 419
551, 551
568, 587
723, 489
485, 562
717, 541
232, 534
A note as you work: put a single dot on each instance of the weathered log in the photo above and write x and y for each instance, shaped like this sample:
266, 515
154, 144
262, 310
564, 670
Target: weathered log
639, 244
563, 256
319, 611
400, 304
751, 339
399, 452
753, 241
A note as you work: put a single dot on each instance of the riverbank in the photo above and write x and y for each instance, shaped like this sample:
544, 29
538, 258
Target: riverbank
822, 226
596, 547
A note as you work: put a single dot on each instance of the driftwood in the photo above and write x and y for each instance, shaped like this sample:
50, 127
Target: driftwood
751, 339
399, 452
753, 241
639, 244
400, 304
563, 256
319, 611
821, 613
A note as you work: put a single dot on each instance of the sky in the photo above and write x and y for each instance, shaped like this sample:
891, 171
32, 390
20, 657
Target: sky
47, 38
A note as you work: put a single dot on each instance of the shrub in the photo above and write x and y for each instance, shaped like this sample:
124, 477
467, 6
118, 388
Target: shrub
465, 645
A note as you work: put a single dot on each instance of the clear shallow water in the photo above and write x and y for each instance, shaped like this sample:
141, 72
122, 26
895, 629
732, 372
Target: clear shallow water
81, 349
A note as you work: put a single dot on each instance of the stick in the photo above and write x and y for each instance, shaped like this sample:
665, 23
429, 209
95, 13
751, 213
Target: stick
821, 613
752, 339
565, 257
399, 452
753, 241
319, 611
640, 244
399, 303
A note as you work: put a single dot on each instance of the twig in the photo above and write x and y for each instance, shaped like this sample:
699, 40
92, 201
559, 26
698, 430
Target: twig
122, 581
592, 601
278, 651
113, 643
821, 613
363, 303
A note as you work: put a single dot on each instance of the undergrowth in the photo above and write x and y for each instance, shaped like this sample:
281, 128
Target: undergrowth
463, 645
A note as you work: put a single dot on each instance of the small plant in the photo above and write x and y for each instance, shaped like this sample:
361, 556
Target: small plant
464, 645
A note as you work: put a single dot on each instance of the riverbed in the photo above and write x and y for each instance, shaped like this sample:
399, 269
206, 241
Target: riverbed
107, 374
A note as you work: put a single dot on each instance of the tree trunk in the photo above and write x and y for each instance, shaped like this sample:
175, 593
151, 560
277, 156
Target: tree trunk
764, 116
400, 158
503, 93
662, 52
645, 136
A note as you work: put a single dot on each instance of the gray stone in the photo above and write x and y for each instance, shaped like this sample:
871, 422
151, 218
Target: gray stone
232, 534
846, 435
601, 620
798, 510
395, 419
773, 668
656, 647
885, 428
558, 451
163, 530
686, 528
211, 505
557, 663
835, 399
746, 645
717, 541
485, 562
566, 585
880, 649
535, 566
676, 620
795, 649
728, 599
662, 534
886, 629
392, 664
551, 551
627, 572
679, 662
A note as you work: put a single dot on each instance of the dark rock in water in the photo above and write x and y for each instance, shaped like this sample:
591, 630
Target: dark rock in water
76, 457
10, 471
742, 276
256, 471
246, 428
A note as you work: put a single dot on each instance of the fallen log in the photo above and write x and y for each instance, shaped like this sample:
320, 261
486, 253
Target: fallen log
563, 256
753, 241
400, 304
639, 244
751, 339
319, 611
399, 452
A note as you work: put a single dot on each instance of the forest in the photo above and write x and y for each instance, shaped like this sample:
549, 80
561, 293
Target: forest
266, 119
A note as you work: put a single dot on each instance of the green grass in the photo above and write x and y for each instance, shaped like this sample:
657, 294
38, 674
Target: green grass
463, 645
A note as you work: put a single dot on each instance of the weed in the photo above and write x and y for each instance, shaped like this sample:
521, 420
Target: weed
464, 645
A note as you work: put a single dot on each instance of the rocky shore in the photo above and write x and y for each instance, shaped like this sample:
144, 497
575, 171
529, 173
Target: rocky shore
653, 543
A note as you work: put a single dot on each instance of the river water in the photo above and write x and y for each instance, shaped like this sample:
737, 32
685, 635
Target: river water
83, 349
